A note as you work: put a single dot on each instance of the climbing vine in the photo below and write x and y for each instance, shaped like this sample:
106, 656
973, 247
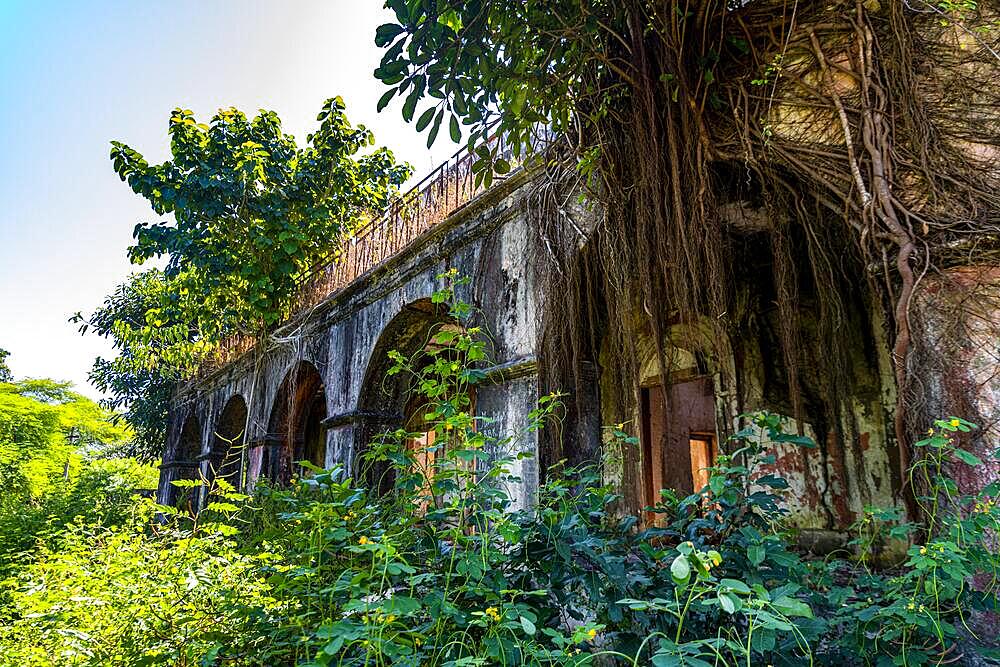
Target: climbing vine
865, 131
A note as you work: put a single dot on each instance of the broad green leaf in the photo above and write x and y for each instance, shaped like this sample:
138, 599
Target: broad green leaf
792, 607
680, 569
967, 457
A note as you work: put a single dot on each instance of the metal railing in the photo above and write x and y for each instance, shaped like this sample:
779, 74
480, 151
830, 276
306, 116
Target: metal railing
431, 201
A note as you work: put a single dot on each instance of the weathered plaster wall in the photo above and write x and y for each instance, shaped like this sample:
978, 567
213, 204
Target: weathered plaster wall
346, 338
957, 360
829, 485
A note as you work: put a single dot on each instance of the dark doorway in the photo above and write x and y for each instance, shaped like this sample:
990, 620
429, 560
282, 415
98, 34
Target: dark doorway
227, 441
186, 460
391, 401
295, 429
678, 437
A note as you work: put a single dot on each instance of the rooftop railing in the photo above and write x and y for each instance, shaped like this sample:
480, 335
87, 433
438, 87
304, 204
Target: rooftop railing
431, 201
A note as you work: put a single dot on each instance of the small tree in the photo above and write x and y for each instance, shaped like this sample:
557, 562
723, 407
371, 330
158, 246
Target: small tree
251, 212
5, 374
138, 381
251, 209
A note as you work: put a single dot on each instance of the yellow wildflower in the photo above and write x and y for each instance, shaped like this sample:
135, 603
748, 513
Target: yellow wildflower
954, 422
492, 613
923, 551
364, 540
592, 633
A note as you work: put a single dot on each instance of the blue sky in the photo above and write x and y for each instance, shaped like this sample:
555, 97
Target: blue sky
76, 75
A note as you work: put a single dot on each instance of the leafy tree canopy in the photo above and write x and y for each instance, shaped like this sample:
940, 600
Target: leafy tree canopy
5, 374
519, 64
859, 129
44, 424
152, 355
250, 211
57, 466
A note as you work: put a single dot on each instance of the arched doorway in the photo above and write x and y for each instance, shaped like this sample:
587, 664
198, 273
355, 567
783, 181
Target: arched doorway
227, 441
186, 461
296, 431
389, 401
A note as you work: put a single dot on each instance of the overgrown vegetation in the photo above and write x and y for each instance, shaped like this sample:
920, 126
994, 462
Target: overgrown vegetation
863, 132
858, 127
54, 466
443, 570
249, 212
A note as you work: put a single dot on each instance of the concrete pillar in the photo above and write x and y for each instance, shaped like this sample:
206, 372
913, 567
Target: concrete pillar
505, 401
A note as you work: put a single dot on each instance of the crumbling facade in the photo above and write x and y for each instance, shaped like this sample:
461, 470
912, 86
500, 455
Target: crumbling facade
317, 389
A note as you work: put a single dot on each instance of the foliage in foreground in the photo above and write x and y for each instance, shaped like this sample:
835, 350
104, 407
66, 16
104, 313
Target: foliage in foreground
54, 470
445, 571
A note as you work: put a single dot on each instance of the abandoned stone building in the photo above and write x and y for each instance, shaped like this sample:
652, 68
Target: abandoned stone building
318, 390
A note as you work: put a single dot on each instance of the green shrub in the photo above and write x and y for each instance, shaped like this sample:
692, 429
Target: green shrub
139, 594
920, 613
424, 560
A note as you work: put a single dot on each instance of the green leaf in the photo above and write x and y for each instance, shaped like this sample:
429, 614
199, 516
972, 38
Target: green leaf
451, 19
387, 32
728, 602
717, 484
410, 105
792, 607
736, 585
403, 604
528, 626
756, 554
789, 438
680, 569
771, 621
383, 101
453, 128
432, 135
967, 457
425, 118
222, 507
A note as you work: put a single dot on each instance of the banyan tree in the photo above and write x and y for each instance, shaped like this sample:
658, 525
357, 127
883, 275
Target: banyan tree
818, 177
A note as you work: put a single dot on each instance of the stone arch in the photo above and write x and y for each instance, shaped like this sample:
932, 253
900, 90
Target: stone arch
188, 448
186, 462
296, 428
387, 402
675, 412
227, 440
